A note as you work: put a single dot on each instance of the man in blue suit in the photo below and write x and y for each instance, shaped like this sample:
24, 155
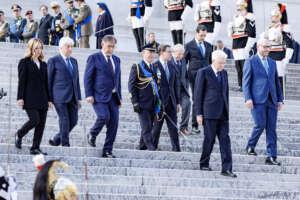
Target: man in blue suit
169, 92
102, 83
64, 90
263, 97
212, 109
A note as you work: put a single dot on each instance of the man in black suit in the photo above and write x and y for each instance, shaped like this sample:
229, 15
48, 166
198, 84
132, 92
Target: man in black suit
220, 46
182, 76
197, 55
45, 25
144, 95
169, 89
212, 109
64, 90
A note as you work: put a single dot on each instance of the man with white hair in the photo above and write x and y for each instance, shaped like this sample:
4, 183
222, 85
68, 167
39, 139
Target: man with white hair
182, 77
263, 97
64, 90
212, 109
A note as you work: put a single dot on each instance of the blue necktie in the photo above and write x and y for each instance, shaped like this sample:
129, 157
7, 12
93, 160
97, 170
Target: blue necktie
167, 71
201, 49
69, 66
219, 77
265, 64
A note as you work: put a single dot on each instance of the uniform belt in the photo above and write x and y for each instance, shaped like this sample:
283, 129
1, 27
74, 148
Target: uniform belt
176, 8
239, 36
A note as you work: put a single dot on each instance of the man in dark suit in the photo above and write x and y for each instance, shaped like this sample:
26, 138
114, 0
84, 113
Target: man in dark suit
102, 83
197, 55
45, 25
64, 89
143, 92
212, 109
181, 71
263, 97
220, 46
169, 90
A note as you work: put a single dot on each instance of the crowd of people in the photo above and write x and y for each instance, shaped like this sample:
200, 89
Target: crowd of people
159, 89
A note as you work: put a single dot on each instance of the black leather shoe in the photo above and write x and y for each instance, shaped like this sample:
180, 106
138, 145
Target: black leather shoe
108, 155
251, 151
240, 89
205, 169
228, 174
53, 143
18, 141
196, 130
91, 140
272, 161
37, 151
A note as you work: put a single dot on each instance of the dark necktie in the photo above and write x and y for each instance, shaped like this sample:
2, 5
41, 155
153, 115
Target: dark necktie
69, 66
219, 77
110, 65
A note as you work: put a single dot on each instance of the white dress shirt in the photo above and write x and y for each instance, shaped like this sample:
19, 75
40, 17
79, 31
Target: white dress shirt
214, 69
65, 59
202, 45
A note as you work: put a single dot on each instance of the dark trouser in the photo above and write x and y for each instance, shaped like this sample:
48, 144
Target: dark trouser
194, 117
98, 43
239, 65
37, 120
265, 117
213, 128
146, 121
139, 37
107, 114
185, 104
68, 117
282, 85
177, 36
173, 132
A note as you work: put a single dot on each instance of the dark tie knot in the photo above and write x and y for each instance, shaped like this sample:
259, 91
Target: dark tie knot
218, 73
108, 57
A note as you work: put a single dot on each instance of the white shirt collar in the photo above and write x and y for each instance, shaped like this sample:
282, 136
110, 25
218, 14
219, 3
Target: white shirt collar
162, 62
102, 12
148, 64
260, 56
64, 57
214, 69
197, 41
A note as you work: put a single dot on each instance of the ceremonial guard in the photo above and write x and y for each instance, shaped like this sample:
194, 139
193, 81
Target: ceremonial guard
143, 91
243, 32
177, 12
84, 24
3, 27
30, 30
67, 22
279, 33
104, 24
140, 12
208, 13
16, 25
56, 32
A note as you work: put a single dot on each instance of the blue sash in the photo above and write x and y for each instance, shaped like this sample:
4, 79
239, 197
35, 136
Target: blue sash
138, 10
87, 20
154, 87
26, 31
71, 22
13, 28
54, 29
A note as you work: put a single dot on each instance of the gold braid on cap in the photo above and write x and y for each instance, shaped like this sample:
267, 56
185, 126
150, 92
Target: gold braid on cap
52, 178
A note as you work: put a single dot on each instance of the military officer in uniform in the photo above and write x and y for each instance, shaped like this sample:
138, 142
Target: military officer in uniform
140, 12
56, 32
84, 24
16, 25
177, 12
243, 33
208, 13
3, 27
67, 22
30, 30
279, 33
143, 91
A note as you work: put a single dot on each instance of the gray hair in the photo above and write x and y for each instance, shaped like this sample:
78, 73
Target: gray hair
177, 47
262, 37
218, 54
109, 38
65, 41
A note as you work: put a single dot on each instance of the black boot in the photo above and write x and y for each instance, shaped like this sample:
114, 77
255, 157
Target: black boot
174, 36
142, 37
137, 38
179, 34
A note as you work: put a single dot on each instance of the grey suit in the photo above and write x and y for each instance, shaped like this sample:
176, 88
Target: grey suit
185, 101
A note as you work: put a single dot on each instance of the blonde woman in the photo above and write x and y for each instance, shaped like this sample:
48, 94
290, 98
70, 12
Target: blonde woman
33, 94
